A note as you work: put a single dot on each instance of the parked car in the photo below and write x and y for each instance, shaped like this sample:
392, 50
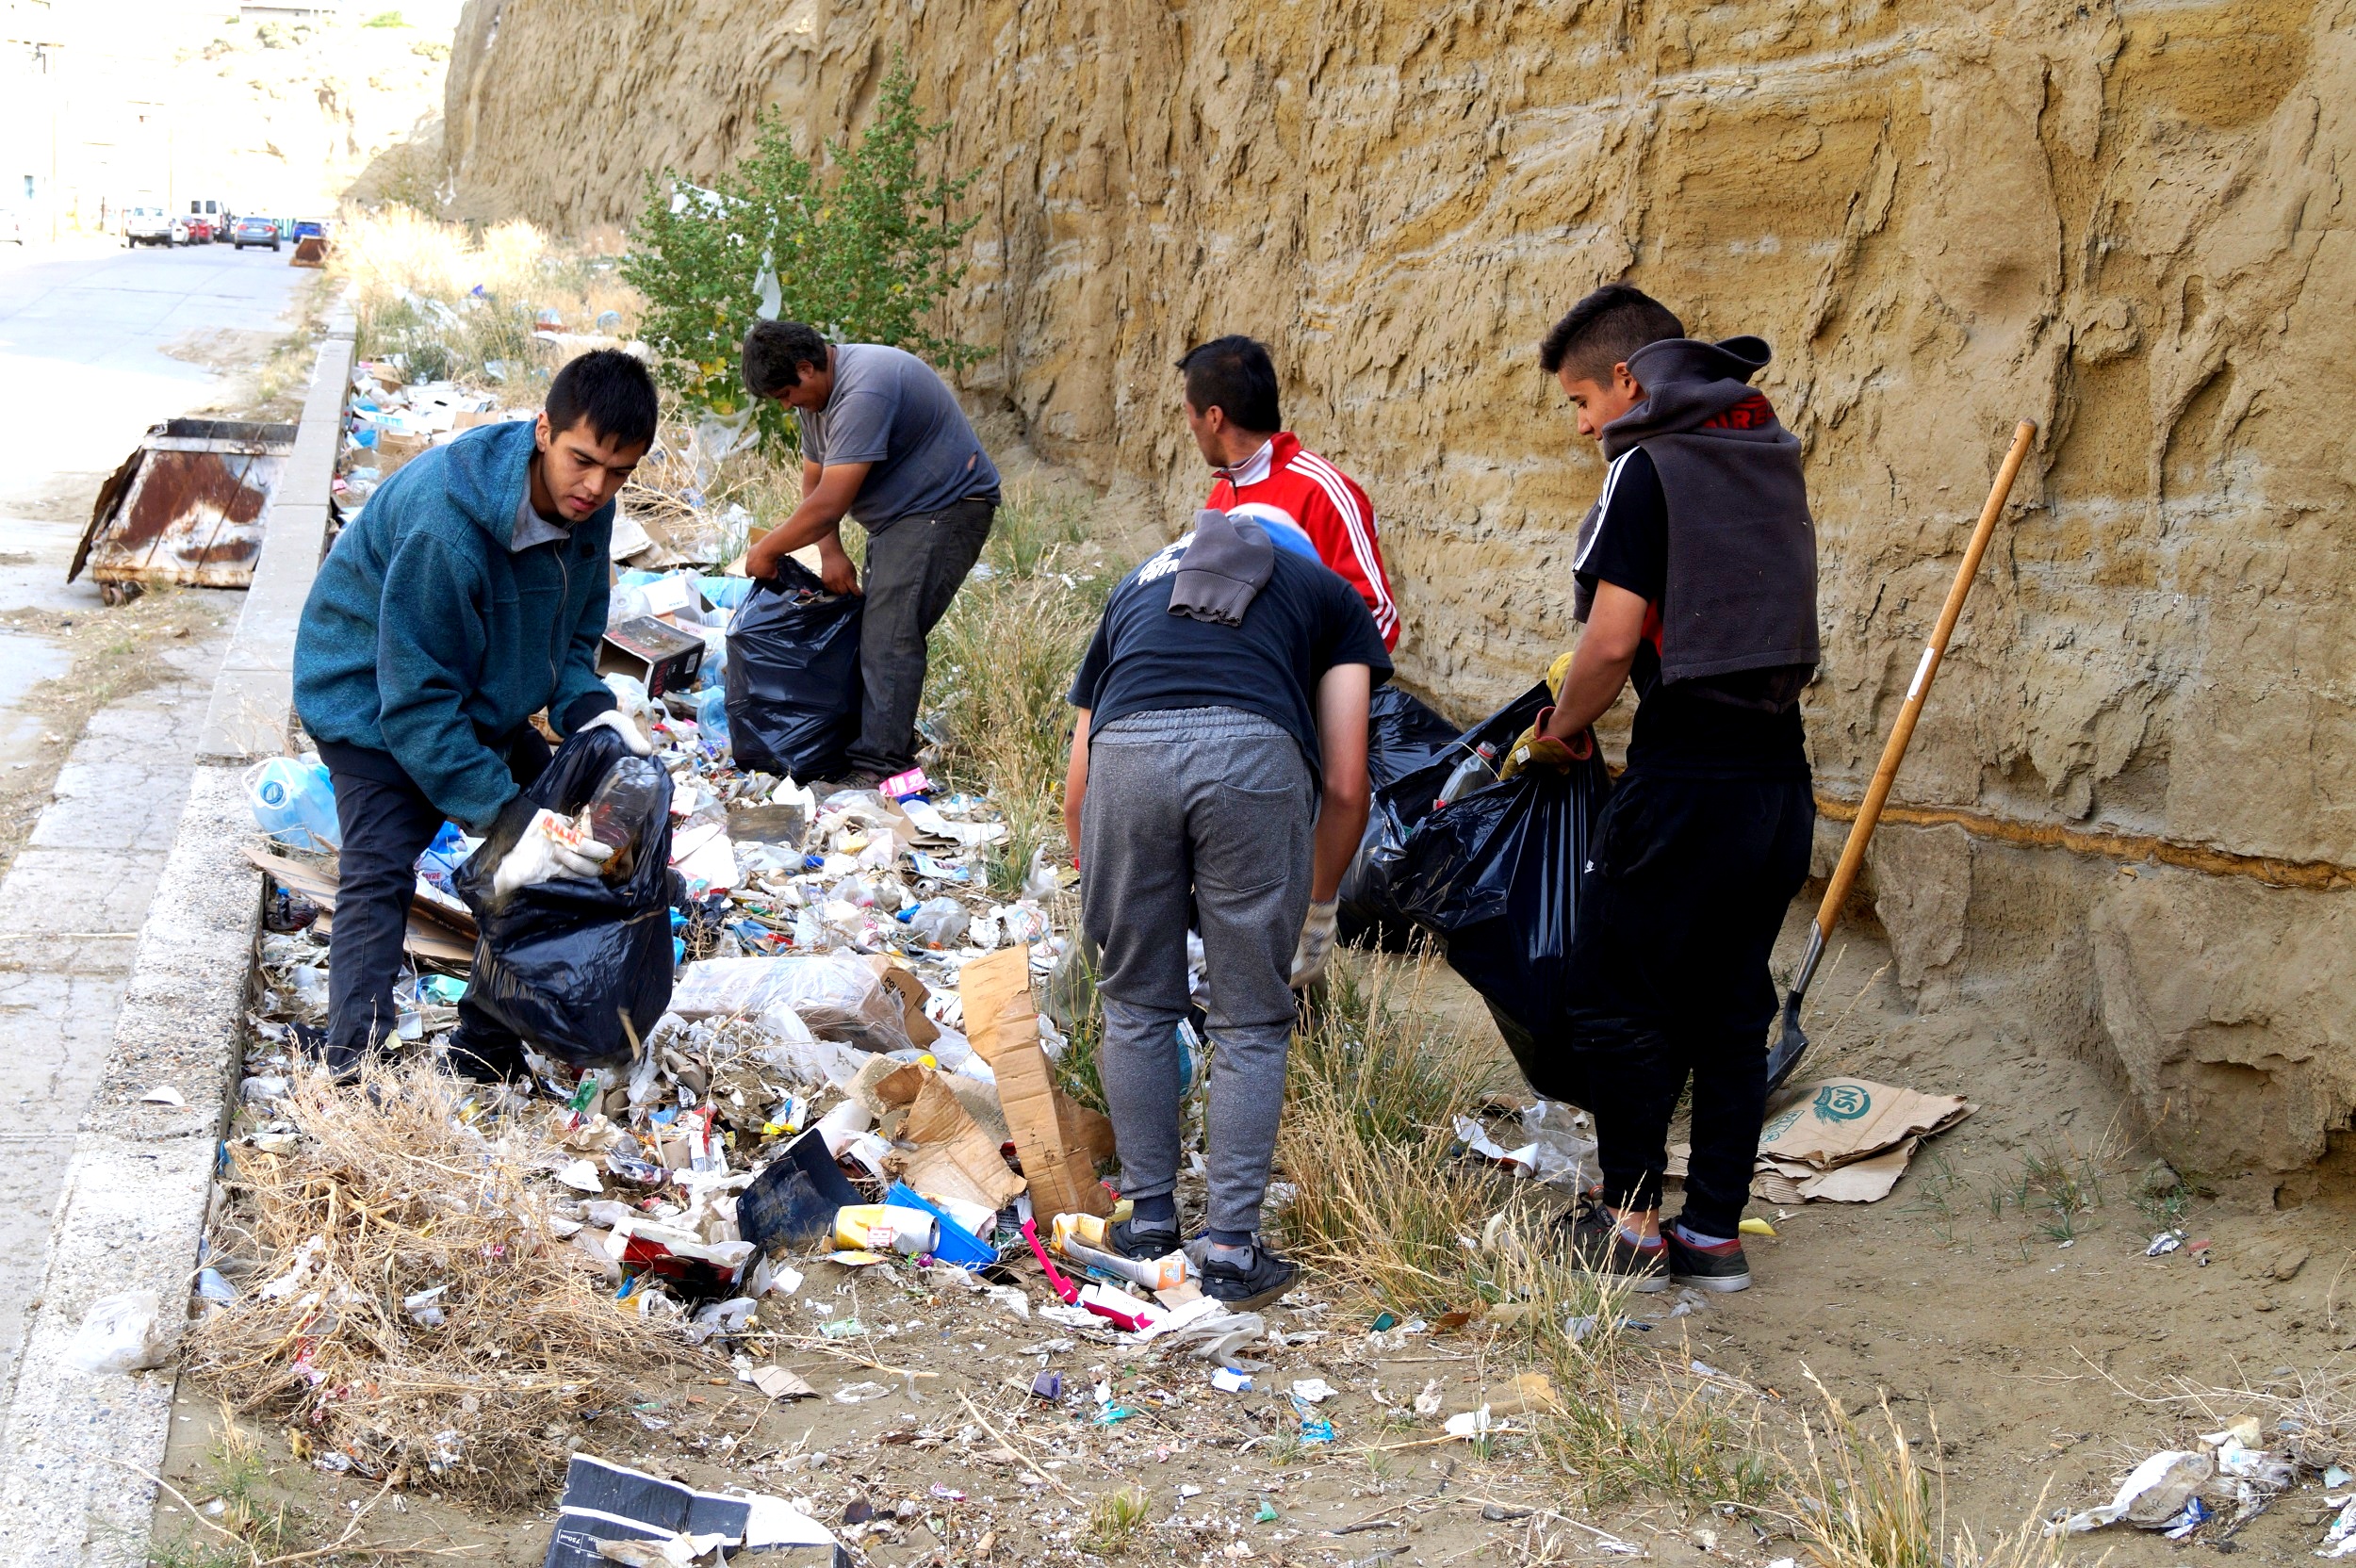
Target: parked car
216, 216
149, 226
253, 231
196, 229
306, 228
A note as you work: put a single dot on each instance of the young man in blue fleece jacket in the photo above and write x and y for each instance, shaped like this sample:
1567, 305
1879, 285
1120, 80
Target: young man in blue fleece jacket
470, 595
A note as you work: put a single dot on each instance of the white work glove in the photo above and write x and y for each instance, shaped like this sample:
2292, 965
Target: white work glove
1317, 943
550, 847
627, 728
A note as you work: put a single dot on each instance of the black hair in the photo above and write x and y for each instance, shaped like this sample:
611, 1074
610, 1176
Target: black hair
1233, 373
1603, 329
611, 390
777, 353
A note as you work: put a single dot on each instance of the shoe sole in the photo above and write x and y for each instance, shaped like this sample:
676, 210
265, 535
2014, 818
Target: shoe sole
1251, 1303
1643, 1284
1721, 1283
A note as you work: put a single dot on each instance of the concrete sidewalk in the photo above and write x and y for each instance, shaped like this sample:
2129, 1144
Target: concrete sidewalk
71, 910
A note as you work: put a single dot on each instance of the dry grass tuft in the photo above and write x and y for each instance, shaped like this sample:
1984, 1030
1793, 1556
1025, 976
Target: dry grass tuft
1002, 660
390, 1193
1862, 1500
453, 299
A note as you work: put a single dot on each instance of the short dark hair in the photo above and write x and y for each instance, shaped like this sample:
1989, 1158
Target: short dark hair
610, 390
777, 353
1233, 373
1603, 329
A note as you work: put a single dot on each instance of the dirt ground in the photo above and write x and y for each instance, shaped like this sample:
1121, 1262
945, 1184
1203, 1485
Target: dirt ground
2046, 1367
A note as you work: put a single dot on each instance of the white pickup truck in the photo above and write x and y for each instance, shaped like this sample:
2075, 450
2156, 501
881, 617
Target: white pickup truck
145, 225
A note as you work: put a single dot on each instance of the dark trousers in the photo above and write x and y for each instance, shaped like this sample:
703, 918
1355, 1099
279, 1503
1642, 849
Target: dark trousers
914, 567
386, 827
1679, 913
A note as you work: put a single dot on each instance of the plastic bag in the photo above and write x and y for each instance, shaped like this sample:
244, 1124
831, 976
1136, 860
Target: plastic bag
119, 1333
1497, 873
793, 678
836, 995
1411, 772
578, 965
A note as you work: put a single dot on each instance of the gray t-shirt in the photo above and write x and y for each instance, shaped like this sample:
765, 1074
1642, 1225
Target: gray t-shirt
890, 409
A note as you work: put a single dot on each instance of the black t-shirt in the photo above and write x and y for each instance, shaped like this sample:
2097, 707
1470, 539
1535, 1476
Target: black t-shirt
1746, 725
1306, 621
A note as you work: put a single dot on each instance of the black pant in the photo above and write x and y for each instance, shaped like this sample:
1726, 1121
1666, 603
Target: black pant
914, 568
1679, 913
386, 827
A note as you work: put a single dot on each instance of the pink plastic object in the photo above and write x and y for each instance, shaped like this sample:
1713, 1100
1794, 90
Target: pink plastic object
1065, 1290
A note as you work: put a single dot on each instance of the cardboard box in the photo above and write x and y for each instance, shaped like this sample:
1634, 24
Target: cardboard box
1059, 1141
662, 657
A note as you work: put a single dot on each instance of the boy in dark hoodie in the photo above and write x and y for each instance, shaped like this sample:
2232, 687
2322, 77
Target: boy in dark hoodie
1695, 575
470, 595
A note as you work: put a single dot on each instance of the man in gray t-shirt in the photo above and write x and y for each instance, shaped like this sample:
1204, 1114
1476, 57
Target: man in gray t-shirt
884, 443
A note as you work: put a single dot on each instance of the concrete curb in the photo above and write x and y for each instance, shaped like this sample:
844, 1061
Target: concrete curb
79, 1452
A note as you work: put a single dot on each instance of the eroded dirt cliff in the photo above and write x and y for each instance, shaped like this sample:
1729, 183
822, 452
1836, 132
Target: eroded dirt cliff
2131, 831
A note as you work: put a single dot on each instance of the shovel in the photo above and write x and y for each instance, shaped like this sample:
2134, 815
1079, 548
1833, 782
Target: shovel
1785, 1053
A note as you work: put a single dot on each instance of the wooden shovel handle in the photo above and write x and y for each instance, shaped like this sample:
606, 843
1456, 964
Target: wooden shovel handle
1853, 854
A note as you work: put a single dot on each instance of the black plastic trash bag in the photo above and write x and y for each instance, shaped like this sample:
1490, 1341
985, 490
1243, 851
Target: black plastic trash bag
1412, 754
792, 678
564, 963
1402, 735
1495, 873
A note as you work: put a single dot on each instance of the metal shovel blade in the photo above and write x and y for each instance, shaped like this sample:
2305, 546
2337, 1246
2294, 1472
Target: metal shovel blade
1785, 1053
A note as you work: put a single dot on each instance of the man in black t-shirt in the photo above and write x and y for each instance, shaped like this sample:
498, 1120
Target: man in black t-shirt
1221, 752
1696, 576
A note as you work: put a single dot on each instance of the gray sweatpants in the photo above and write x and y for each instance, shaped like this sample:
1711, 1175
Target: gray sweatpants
1219, 803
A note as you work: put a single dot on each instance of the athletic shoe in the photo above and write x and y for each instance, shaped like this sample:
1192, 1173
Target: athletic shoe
342, 1062
1143, 1241
1597, 1246
1718, 1267
1247, 1286
499, 1062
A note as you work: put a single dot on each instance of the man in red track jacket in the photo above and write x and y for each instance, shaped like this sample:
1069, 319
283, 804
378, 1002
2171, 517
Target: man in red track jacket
1306, 504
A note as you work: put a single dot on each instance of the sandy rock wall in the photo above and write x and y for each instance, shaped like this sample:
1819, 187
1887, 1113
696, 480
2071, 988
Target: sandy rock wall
2127, 221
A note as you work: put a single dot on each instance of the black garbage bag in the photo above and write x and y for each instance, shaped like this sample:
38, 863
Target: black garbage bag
792, 678
565, 962
1410, 770
1495, 873
1402, 735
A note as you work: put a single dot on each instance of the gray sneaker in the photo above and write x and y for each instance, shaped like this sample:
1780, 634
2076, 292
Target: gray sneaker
1245, 1286
1595, 1245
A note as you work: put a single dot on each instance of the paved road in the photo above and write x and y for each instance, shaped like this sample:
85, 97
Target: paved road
82, 374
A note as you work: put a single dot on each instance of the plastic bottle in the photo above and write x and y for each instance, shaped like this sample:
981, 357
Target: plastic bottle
622, 810
1081, 1237
294, 802
1477, 768
712, 717
880, 1227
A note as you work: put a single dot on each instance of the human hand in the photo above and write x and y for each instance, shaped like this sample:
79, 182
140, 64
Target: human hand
624, 726
550, 847
1534, 747
1316, 947
835, 568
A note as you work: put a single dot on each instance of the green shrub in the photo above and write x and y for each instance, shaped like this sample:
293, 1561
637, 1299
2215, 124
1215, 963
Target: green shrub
866, 252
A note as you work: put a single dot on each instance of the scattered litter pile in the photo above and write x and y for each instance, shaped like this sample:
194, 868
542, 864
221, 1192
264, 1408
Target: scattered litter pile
391, 1279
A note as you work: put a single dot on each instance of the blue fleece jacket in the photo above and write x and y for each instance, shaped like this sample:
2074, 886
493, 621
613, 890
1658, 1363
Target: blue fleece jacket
426, 639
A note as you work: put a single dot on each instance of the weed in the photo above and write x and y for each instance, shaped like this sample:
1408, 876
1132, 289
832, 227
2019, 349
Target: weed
1862, 1500
1935, 1191
865, 249
1116, 1517
2063, 1188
